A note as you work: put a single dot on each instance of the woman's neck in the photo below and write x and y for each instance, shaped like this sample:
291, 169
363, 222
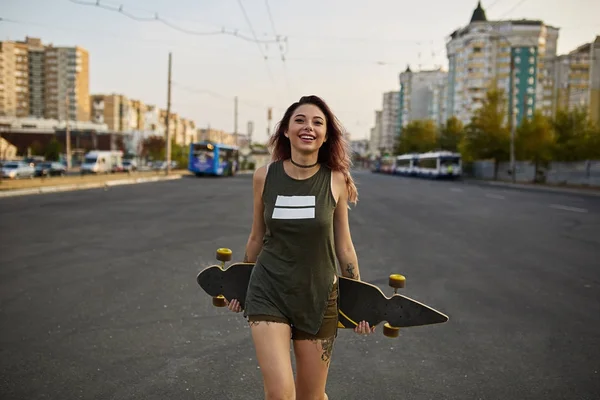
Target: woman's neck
304, 161
302, 165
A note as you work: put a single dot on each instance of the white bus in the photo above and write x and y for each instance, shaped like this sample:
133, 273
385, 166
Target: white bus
406, 164
439, 164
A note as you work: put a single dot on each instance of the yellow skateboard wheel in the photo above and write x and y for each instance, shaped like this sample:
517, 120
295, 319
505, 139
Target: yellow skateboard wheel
397, 281
219, 301
390, 331
224, 254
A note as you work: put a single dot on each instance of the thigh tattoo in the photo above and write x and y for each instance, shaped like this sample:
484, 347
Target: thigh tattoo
255, 323
326, 346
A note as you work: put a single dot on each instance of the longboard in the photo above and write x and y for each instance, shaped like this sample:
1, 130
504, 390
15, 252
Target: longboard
358, 300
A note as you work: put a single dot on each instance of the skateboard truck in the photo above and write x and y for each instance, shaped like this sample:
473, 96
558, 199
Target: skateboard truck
396, 281
223, 255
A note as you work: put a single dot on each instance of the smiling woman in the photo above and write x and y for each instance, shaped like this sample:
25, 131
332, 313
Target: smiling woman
300, 226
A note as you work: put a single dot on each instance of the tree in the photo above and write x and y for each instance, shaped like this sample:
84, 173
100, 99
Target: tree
53, 150
535, 141
417, 137
154, 147
179, 154
451, 134
573, 130
487, 136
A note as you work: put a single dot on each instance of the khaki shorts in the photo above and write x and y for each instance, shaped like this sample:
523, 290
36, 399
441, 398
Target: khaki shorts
328, 327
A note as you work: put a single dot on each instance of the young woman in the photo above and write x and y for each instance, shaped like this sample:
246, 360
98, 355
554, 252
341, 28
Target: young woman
300, 227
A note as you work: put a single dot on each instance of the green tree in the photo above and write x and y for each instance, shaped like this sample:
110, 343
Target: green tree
417, 137
573, 133
53, 150
535, 141
179, 154
451, 134
593, 148
487, 136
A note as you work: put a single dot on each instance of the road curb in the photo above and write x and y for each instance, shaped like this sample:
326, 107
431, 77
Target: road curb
85, 186
533, 188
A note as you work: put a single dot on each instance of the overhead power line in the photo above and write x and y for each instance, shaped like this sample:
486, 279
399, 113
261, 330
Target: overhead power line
157, 18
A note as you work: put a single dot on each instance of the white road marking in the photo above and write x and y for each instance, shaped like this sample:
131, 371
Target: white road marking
495, 196
567, 208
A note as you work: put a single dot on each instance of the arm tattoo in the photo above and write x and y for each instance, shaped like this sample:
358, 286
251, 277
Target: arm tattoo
350, 271
246, 259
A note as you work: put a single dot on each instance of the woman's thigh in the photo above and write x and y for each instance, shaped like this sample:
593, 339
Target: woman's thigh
272, 344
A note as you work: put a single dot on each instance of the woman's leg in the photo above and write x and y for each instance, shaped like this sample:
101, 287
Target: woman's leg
313, 357
313, 354
272, 344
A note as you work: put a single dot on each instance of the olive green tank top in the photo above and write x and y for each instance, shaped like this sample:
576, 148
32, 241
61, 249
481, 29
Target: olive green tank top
295, 270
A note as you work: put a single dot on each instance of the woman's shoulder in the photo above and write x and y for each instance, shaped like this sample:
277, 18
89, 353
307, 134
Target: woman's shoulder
260, 174
338, 178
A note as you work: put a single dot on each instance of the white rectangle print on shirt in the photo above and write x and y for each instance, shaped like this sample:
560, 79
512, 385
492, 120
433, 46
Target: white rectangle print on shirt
303, 207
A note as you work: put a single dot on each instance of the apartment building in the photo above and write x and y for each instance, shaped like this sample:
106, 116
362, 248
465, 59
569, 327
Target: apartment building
14, 79
513, 55
215, 135
422, 96
8, 81
375, 135
39, 81
577, 77
389, 120
67, 92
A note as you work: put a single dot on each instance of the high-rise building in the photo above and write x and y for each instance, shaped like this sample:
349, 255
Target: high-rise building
37, 76
35, 80
67, 83
14, 79
577, 78
375, 136
514, 55
389, 121
422, 96
8, 85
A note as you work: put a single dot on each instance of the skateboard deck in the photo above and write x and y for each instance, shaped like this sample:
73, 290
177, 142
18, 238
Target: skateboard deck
358, 300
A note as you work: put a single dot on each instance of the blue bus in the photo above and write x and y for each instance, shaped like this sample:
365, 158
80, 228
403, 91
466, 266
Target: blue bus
208, 158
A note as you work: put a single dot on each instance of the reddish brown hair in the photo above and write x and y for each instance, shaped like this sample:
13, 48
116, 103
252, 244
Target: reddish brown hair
334, 153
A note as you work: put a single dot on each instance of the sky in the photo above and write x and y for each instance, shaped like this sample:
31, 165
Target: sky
349, 52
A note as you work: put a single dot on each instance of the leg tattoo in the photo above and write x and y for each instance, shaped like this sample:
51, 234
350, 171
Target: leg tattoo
255, 323
325, 345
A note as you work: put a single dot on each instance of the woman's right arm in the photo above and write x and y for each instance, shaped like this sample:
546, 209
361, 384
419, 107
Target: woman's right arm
255, 240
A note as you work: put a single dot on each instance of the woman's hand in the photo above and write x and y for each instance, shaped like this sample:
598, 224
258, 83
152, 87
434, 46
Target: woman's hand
363, 328
234, 305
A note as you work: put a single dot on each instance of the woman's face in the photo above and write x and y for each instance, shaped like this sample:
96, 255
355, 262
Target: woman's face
307, 129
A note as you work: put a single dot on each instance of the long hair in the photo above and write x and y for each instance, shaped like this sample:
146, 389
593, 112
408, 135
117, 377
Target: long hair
334, 153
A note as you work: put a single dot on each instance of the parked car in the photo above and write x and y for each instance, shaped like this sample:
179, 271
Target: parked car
129, 165
17, 169
50, 169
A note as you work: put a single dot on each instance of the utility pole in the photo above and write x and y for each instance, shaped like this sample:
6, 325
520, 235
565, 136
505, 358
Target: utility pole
168, 150
269, 117
513, 115
235, 121
67, 132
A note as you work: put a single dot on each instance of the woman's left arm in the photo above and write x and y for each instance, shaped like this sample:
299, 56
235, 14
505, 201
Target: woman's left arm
344, 248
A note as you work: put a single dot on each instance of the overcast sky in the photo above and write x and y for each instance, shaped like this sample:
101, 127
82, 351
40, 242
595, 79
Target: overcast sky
347, 51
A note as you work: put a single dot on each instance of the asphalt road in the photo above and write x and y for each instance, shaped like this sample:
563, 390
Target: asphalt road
98, 298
